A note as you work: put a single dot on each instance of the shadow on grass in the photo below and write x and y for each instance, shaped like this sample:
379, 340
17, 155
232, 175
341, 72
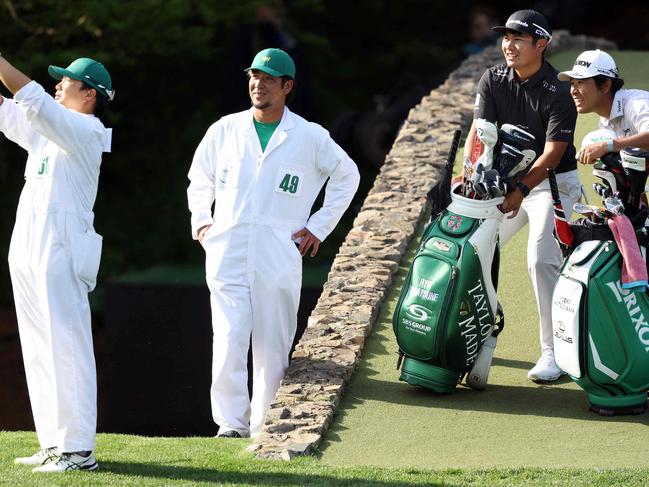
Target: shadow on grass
514, 364
216, 475
538, 400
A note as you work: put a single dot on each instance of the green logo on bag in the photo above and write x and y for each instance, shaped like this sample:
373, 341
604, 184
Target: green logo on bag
289, 183
44, 168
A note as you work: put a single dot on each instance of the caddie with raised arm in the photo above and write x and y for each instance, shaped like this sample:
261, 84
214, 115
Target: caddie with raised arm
54, 253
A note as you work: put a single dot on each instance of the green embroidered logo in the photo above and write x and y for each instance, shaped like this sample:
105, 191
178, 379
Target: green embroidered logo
44, 167
289, 183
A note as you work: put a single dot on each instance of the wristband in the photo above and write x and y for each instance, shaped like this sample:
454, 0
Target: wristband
610, 145
524, 188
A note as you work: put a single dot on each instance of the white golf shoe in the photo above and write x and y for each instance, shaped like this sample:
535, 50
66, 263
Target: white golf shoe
545, 370
68, 462
41, 457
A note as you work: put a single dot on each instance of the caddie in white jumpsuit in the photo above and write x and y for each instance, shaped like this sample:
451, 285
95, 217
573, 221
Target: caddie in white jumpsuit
262, 169
596, 87
54, 253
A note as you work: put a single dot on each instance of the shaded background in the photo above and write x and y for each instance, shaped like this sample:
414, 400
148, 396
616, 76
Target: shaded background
177, 66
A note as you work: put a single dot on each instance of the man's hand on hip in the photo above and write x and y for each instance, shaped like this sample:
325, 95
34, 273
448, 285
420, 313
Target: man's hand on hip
201, 232
308, 240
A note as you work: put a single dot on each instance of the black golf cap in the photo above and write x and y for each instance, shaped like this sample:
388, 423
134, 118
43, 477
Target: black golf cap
527, 22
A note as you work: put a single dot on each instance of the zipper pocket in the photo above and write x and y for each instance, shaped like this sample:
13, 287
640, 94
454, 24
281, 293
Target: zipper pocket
440, 350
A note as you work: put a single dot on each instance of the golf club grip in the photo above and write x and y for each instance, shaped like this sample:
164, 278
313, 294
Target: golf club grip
454, 146
554, 189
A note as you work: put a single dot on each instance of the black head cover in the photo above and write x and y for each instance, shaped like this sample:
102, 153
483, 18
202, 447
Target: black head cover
440, 194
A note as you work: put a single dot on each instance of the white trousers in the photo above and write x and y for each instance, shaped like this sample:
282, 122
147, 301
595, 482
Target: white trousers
254, 274
55, 330
543, 252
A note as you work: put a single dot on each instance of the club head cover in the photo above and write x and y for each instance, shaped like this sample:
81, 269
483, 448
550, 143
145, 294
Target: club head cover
516, 136
614, 205
602, 190
507, 159
595, 137
495, 184
487, 132
634, 162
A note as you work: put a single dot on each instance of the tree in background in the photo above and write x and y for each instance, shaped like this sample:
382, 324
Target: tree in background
177, 66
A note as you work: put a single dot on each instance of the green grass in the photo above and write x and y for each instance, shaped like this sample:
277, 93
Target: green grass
133, 460
513, 424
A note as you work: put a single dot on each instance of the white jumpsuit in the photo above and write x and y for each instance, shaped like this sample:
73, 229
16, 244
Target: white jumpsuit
253, 268
53, 260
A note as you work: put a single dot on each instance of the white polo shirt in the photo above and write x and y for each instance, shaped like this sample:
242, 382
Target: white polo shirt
629, 113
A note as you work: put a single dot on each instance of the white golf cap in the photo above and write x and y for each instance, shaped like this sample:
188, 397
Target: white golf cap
590, 64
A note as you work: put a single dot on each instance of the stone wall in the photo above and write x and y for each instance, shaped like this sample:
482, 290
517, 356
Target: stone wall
361, 274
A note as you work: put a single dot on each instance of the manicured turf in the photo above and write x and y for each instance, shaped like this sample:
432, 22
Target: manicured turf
515, 422
132, 460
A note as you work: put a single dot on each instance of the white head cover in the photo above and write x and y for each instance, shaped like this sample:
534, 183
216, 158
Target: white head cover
488, 134
590, 64
599, 135
633, 161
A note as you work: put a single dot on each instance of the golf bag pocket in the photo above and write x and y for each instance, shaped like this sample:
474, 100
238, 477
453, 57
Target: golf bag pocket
86, 256
567, 301
425, 298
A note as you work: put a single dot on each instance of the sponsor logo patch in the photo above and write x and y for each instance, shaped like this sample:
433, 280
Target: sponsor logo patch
416, 327
550, 87
418, 312
425, 294
560, 333
519, 22
638, 320
565, 304
454, 222
476, 327
442, 246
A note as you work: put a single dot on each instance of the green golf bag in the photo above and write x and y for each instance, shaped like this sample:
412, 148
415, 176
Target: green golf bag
601, 333
448, 304
600, 329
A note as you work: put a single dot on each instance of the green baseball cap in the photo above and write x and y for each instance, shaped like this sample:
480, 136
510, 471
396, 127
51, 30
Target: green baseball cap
275, 62
90, 72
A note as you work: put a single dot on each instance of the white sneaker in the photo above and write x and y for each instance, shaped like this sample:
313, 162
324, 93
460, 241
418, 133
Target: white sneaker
68, 462
545, 370
41, 457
